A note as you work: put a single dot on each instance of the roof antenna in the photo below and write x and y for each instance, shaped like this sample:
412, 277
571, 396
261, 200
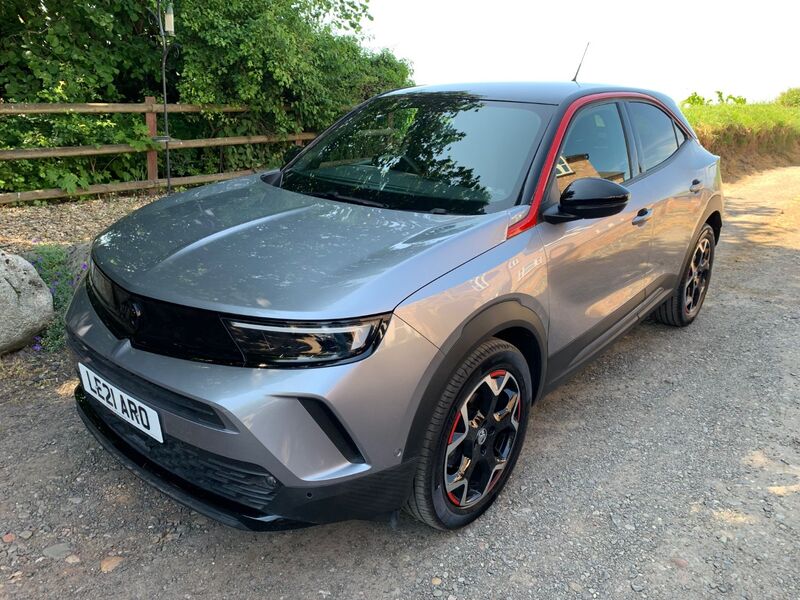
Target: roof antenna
580, 64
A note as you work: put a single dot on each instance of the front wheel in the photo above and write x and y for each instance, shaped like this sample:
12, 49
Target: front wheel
474, 438
684, 305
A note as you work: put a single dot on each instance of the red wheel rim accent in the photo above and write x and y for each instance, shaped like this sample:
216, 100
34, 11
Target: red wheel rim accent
459, 417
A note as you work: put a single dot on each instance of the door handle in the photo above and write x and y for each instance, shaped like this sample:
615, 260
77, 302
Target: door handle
643, 216
696, 186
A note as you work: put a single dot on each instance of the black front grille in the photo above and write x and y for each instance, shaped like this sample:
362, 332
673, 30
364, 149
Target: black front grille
243, 483
161, 327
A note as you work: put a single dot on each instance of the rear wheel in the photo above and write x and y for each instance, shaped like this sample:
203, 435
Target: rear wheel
474, 437
684, 305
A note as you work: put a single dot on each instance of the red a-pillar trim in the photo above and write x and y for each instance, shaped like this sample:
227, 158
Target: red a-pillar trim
529, 220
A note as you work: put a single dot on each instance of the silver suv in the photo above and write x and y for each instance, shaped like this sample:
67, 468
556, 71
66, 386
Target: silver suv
366, 328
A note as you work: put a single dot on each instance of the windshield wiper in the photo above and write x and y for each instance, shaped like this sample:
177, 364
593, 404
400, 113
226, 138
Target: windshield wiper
333, 195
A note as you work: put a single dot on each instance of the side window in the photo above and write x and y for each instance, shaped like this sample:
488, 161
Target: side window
656, 133
594, 147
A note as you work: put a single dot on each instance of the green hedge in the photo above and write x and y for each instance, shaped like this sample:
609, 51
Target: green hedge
764, 128
298, 64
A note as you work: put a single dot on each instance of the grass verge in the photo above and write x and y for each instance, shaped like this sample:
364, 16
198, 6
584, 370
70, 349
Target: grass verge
748, 134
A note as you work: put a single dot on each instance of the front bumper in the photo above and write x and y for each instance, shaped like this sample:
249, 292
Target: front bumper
250, 447
289, 508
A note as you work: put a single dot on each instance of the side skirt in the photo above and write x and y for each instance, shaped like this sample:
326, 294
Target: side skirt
578, 353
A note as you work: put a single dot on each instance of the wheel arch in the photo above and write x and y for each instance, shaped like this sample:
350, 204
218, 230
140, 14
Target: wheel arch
508, 320
711, 215
715, 220
527, 343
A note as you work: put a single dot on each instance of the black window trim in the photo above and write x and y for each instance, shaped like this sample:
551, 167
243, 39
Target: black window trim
630, 140
678, 128
642, 172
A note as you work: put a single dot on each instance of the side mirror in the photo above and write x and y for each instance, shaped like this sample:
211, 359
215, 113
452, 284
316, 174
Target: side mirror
272, 177
588, 198
289, 155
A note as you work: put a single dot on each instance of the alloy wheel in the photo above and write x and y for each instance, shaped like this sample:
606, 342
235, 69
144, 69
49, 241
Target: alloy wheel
482, 438
697, 277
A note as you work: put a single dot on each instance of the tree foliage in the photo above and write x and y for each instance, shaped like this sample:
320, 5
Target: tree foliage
298, 64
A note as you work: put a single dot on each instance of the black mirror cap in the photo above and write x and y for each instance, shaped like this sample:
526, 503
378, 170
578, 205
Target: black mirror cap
593, 197
272, 177
588, 198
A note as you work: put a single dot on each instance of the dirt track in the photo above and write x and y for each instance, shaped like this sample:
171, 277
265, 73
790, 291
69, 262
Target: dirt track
668, 468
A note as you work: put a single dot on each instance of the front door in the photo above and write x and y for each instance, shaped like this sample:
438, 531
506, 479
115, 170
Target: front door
598, 269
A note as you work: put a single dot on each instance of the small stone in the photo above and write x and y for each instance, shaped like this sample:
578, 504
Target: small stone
75, 499
437, 593
9, 537
73, 559
26, 534
575, 587
110, 563
57, 551
436, 581
681, 563
637, 585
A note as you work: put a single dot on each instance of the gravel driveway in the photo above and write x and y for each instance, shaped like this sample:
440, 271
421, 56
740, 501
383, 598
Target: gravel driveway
669, 468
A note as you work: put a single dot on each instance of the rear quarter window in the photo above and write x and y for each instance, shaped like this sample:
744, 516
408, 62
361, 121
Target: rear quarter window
681, 137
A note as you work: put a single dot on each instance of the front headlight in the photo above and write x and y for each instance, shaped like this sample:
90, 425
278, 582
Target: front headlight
305, 344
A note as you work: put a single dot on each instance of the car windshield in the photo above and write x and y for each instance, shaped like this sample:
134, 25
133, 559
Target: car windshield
442, 152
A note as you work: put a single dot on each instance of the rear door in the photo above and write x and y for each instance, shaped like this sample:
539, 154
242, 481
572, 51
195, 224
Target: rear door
672, 182
598, 269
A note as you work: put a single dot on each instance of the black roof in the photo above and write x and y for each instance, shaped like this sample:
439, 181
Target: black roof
557, 93
521, 91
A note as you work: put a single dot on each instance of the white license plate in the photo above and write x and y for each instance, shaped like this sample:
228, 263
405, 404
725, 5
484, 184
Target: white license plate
123, 405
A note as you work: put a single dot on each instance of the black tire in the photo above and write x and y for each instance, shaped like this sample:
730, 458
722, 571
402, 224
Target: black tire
471, 384
683, 306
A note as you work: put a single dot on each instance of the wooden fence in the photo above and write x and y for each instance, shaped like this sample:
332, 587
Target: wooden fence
150, 110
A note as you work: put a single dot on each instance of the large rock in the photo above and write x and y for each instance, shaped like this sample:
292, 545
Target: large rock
26, 305
78, 259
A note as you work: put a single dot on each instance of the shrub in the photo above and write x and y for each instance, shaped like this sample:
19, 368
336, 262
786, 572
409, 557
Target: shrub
695, 100
298, 65
790, 97
53, 265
